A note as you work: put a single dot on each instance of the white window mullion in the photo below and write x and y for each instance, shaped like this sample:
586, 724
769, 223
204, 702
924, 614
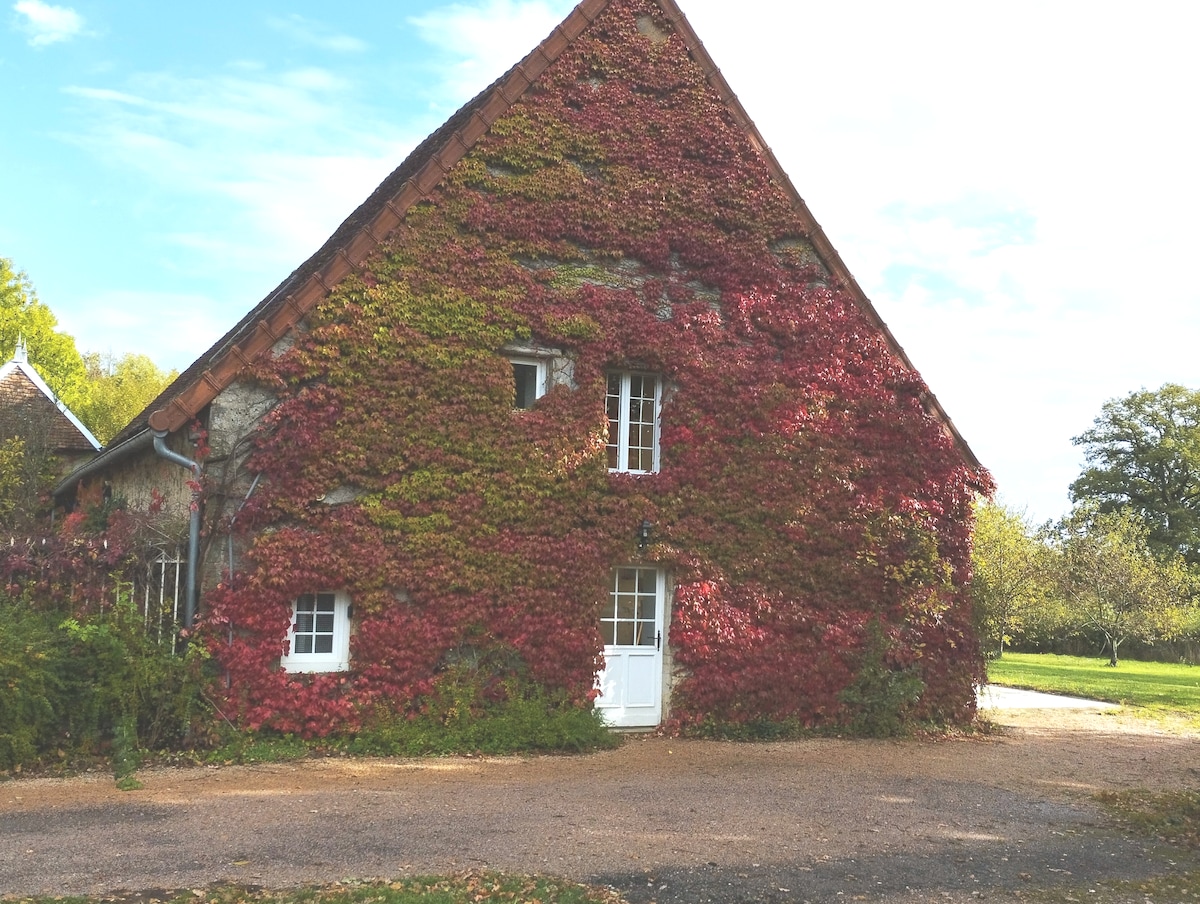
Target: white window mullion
633, 422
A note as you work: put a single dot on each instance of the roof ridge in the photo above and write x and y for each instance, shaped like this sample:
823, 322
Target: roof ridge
416, 177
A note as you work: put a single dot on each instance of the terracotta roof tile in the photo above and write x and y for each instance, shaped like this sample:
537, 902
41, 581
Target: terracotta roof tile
25, 407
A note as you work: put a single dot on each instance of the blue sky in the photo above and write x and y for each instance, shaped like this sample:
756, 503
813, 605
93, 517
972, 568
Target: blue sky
1015, 186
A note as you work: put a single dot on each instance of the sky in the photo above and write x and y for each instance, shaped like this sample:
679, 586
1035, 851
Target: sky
1015, 186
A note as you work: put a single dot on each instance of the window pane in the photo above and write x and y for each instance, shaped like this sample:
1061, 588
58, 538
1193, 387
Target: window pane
612, 408
315, 624
625, 634
608, 631
645, 608
625, 607
627, 580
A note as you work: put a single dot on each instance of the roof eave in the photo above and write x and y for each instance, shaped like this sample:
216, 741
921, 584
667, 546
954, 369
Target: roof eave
109, 457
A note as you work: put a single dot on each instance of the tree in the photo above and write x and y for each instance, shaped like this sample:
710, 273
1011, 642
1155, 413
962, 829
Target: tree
118, 390
1010, 575
27, 469
1144, 456
52, 353
1116, 584
103, 391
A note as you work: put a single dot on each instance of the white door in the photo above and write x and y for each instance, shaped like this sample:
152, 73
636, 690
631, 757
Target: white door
632, 624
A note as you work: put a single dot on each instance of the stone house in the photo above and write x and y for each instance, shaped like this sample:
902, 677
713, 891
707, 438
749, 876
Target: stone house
580, 397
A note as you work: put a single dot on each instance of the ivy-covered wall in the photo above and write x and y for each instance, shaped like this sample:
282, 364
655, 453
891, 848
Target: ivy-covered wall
814, 518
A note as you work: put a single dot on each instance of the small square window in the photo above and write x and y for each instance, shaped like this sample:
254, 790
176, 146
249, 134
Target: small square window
320, 634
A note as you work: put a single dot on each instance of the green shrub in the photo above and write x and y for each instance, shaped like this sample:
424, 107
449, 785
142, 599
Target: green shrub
92, 685
750, 730
31, 663
473, 711
882, 695
248, 747
119, 672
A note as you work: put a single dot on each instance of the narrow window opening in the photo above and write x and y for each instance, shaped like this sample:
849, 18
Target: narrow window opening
525, 379
529, 381
633, 405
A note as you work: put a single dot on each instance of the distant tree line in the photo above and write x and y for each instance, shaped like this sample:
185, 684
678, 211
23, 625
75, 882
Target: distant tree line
1124, 565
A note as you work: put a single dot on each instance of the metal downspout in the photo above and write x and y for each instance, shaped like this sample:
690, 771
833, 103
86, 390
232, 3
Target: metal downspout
189, 604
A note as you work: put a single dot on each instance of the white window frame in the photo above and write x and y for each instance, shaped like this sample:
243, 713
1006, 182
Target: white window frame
337, 659
618, 433
543, 377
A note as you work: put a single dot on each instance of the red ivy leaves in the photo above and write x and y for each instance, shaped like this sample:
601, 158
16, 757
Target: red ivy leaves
620, 213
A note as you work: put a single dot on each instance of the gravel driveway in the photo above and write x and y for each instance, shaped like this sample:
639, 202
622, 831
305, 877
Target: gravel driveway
662, 820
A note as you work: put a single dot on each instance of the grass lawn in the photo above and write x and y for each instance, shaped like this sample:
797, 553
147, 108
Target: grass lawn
1158, 687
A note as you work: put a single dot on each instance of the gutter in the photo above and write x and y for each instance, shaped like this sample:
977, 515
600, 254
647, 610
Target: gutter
160, 446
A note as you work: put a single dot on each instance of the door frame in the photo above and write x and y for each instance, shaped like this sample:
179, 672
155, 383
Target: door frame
635, 671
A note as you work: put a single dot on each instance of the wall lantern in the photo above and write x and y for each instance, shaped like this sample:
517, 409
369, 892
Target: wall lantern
643, 534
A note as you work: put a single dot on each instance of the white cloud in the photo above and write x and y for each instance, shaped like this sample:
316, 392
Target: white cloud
220, 139
315, 34
183, 325
1014, 187
46, 24
480, 42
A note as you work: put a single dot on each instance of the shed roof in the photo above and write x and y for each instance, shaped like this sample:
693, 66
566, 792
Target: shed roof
24, 393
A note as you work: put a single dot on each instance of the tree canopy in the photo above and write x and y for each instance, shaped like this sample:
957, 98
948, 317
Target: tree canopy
1143, 455
118, 390
52, 353
1010, 580
1115, 583
102, 390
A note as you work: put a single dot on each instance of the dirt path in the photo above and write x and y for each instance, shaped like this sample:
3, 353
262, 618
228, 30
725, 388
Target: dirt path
664, 820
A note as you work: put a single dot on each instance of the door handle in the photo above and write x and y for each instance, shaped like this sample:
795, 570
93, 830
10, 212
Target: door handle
658, 641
